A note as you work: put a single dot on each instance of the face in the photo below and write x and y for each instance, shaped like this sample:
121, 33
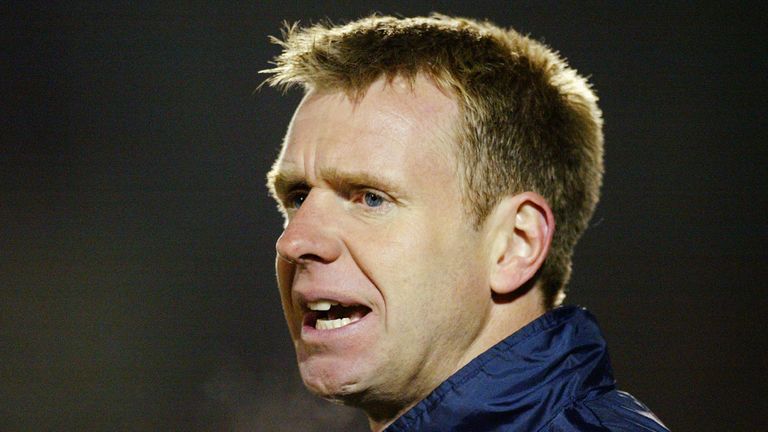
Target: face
382, 276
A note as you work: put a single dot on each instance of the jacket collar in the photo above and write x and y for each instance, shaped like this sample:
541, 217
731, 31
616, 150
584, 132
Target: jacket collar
523, 380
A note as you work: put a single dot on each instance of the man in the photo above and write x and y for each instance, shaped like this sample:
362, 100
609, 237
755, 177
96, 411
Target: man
420, 270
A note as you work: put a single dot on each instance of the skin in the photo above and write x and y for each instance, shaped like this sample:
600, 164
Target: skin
374, 217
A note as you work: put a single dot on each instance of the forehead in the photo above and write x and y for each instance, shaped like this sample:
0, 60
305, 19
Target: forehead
392, 122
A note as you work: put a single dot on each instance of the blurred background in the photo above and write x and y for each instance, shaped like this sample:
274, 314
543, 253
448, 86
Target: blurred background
137, 237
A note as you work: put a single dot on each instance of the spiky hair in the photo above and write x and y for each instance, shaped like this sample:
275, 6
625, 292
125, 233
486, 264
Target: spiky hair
529, 122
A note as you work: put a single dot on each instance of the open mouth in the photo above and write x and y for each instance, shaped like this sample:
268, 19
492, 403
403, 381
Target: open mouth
328, 315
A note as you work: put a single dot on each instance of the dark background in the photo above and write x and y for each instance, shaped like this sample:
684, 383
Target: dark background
136, 235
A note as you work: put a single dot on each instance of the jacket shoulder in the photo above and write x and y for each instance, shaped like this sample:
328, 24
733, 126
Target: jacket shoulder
614, 411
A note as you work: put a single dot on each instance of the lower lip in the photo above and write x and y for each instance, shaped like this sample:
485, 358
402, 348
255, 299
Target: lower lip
310, 334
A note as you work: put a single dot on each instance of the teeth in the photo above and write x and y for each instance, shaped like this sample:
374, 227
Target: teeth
322, 324
321, 305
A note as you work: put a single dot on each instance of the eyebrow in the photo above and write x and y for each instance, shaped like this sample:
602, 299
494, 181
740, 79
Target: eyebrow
281, 183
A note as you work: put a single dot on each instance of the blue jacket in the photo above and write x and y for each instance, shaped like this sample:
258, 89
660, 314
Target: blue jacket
553, 375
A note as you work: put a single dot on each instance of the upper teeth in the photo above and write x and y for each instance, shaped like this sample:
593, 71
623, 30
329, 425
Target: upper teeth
322, 305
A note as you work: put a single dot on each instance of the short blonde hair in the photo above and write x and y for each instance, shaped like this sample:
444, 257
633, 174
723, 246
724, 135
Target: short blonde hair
529, 122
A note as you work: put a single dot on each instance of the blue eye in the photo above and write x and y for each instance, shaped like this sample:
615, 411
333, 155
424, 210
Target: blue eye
297, 200
373, 200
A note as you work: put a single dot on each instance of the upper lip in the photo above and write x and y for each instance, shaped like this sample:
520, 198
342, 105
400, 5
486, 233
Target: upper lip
305, 297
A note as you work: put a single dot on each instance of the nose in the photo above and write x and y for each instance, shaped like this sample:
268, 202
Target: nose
310, 236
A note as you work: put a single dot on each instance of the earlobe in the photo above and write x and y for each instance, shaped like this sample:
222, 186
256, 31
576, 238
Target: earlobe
521, 229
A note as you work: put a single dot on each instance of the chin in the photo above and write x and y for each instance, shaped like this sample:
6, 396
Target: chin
330, 381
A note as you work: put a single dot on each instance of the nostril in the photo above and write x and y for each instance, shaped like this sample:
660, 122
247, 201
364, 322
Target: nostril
312, 257
305, 258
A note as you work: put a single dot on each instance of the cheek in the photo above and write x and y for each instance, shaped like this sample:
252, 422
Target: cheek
419, 262
409, 265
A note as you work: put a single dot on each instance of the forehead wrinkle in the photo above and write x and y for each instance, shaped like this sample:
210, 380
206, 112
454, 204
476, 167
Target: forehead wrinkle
421, 109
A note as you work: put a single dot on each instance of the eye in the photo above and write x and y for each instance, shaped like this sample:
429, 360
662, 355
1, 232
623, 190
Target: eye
373, 200
296, 199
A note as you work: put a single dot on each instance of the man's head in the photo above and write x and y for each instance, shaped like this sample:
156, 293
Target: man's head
417, 178
527, 121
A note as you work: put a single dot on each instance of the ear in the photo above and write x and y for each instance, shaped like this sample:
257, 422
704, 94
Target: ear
520, 231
